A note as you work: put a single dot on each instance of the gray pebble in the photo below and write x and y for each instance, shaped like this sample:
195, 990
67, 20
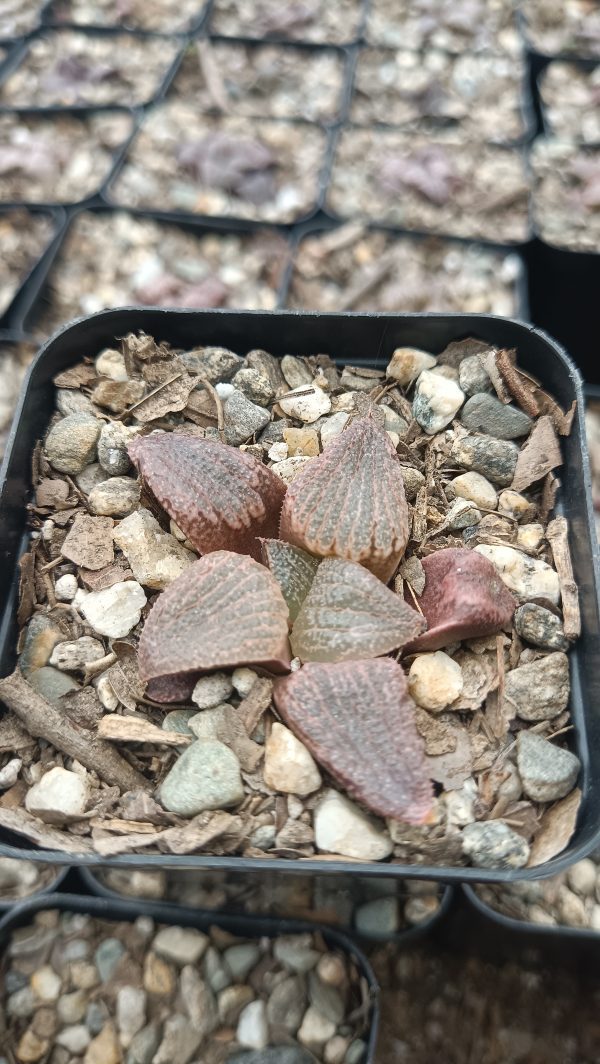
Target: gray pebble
295, 371
91, 476
357, 1052
378, 917
206, 776
72, 401
71, 444
494, 459
107, 957
144, 1045
241, 960
277, 1055
274, 432
296, 952
492, 844
177, 721
115, 497
540, 627
473, 376
52, 684
14, 981
413, 481
327, 999
216, 974
214, 363
539, 690
96, 1016
485, 413
255, 385
112, 448
287, 1004
548, 772
243, 419
179, 1042
22, 1003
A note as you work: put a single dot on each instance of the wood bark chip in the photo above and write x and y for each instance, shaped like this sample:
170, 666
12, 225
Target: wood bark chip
27, 597
45, 721
89, 542
220, 497
358, 721
23, 823
520, 388
556, 829
350, 502
135, 730
557, 535
78, 376
170, 396
539, 456
225, 610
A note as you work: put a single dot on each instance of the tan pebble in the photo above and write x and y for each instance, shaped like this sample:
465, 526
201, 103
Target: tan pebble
581, 877
407, 362
515, 505
84, 975
571, 908
331, 970
435, 680
159, 977
335, 1050
104, 1048
46, 984
31, 1048
530, 537
302, 442
475, 488
289, 767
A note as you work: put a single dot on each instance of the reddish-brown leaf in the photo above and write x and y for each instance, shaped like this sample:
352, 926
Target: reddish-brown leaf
462, 599
220, 497
350, 502
225, 610
348, 614
358, 720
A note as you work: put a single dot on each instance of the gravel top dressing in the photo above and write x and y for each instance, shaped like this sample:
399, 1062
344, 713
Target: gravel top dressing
171, 16
59, 159
443, 184
480, 94
275, 696
318, 22
108, 991
468, 26
566, 194
234, 166
24, 237
69, 69
571, 98
572, 26
268, 81
112, 258
353, 268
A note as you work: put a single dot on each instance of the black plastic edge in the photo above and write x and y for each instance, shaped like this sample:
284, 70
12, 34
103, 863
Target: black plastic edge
93, 883
51, 22
511, 924
245, 927
12, 317
60, 875
196, 225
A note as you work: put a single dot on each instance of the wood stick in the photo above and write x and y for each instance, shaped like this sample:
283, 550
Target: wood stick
45, 721
44, 835
557, 535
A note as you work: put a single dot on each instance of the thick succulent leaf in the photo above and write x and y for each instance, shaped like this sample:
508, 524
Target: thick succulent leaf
358, 721
225, 610
350, 502
220, 497
293, 569
349, 614
462, 599
177, 688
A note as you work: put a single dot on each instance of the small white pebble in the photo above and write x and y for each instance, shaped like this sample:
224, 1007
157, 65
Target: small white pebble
435, 680
278, 452
581, 877
65, 588
243, 680
106, 693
